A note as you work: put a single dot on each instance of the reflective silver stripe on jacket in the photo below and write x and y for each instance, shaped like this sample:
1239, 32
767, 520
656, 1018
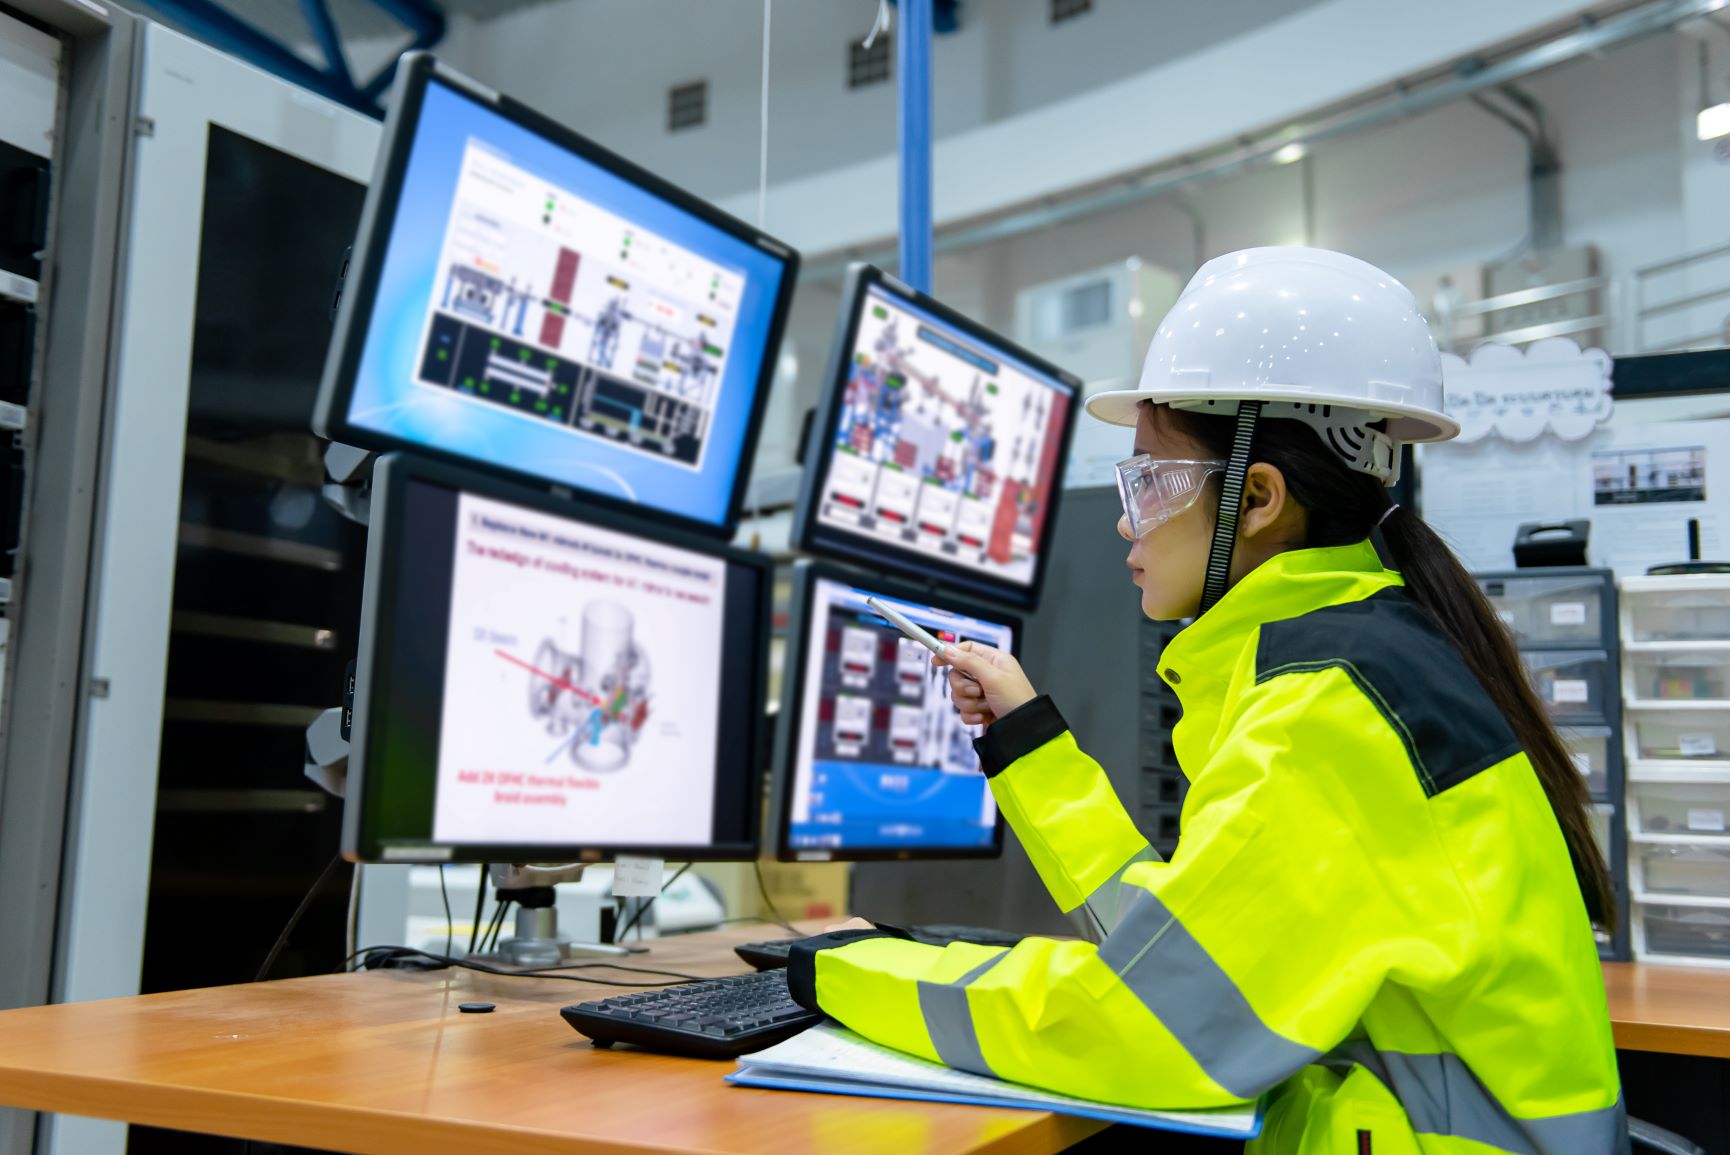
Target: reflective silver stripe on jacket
1105, 905
949, 1021
1442, 1096
1178, 981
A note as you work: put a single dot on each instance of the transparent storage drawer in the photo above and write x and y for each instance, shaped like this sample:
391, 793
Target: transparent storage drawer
1686, 930
1548, 609
1679, 615
1680, 676
1590, 748
1602, 815
1570, 683
1697, 868
1682, 807
1682, 735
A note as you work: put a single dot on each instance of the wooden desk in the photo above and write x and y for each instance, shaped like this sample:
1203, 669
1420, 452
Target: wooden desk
383, 1062
1676, 1010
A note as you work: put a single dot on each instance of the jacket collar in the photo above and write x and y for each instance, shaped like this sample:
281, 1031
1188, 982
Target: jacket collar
1201, 660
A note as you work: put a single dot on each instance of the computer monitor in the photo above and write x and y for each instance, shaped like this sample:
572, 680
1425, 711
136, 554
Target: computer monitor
523, 300
938, 447
539, 684
871, 759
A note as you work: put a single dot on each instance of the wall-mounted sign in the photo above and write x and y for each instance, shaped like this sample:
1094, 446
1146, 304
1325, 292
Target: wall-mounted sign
1551, 386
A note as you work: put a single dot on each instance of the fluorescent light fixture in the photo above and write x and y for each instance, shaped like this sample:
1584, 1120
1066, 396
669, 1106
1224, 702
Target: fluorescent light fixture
1713, 122
1296, 151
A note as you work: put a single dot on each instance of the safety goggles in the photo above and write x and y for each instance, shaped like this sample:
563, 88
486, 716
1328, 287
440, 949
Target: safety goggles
1156, 491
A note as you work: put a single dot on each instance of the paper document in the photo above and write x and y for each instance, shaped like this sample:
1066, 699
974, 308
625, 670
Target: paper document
833, 1059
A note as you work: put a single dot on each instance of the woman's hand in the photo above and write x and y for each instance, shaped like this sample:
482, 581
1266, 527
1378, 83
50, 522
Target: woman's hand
994, 684
850, 924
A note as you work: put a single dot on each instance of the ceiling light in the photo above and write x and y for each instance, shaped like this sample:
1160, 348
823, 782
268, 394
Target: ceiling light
1713, 122
1294, 151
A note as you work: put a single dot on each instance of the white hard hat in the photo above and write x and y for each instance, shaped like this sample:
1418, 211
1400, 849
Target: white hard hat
1316, 335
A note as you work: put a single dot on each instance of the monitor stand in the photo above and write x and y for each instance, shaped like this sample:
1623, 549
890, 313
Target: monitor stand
537, 942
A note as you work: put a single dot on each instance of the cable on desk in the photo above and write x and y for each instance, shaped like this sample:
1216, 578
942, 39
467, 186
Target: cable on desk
769, 903
445, 896
480, 905
294, 919
408, 952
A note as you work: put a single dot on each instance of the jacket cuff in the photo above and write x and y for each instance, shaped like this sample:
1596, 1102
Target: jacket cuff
802, 962
1018, 733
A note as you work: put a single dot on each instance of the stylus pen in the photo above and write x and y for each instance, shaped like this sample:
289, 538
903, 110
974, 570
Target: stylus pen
899, 620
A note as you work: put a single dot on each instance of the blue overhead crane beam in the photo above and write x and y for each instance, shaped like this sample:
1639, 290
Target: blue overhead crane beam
223, 30
913, 123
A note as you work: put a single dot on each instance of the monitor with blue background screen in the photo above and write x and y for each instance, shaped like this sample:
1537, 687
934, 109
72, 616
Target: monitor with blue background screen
525, 301
871, 757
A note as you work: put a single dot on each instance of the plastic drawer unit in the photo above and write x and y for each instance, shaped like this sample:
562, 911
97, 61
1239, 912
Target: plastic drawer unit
1675, 931
1546, 610
1563, 620
1680, 735
1572, 684
1678, 676
1603, 818
1700, 869
1692, 608
1591, 749
1687, 808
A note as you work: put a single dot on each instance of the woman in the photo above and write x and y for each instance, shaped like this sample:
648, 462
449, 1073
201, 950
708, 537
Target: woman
1381, 908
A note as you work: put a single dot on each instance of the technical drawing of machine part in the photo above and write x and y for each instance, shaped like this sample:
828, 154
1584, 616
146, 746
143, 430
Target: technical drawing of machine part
598, 698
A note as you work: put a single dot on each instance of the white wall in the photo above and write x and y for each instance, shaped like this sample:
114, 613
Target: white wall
1021, 103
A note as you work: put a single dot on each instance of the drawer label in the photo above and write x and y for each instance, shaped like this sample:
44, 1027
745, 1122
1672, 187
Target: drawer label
1569, 691
1568, 614
1582, 763
1697, 745
1706, 819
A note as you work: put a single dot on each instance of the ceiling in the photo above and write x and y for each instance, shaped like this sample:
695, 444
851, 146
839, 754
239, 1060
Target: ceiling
355, 19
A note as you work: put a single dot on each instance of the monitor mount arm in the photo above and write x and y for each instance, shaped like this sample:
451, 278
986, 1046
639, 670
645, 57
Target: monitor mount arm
537, 942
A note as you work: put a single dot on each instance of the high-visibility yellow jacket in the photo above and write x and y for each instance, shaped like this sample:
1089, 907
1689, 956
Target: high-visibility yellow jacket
1372, 913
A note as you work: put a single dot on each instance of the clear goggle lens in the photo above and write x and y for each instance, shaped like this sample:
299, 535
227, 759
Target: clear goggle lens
1156, 491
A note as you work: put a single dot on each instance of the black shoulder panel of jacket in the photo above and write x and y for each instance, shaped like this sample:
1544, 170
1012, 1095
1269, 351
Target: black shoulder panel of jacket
1408, 671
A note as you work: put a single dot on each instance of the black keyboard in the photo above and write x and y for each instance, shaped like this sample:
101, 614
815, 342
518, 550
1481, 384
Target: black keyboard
766, 956
713, 1019
773, 953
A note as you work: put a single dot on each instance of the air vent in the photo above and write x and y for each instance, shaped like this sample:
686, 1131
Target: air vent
868, 65
1086, 306
1062, 10
687, 105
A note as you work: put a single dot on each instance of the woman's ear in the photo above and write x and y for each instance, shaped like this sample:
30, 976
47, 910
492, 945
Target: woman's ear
1267, 504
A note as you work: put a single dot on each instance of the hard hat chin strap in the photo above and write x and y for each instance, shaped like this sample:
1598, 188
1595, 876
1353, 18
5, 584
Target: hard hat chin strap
1230, 502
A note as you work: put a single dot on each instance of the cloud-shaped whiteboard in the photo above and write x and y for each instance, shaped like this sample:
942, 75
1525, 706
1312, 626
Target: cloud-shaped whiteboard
1551, 385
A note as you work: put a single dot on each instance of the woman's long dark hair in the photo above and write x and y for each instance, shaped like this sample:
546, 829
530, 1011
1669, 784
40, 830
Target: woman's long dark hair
1343, 506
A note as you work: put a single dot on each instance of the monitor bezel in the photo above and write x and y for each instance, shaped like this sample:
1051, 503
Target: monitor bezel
811, 536
806, 573
378, 215
392, 476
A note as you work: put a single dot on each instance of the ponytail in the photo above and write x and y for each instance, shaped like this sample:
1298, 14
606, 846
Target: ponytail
1343, 506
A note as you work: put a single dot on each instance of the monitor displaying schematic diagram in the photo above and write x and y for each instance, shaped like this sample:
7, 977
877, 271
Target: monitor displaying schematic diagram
872, 760
523, 300
939, 447
537, 686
